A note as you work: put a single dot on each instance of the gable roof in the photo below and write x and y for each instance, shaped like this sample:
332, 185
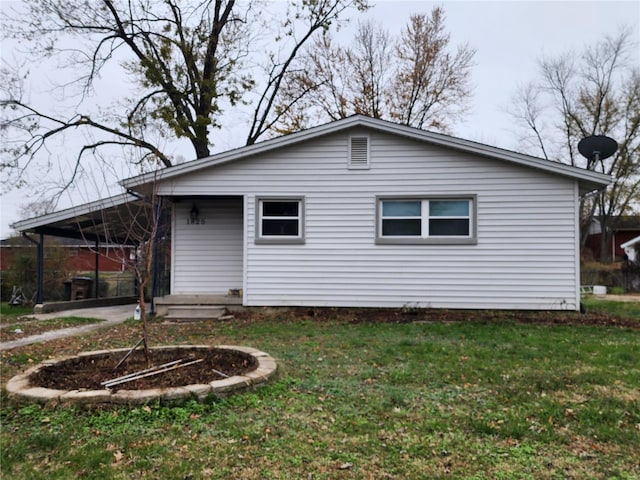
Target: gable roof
588, 180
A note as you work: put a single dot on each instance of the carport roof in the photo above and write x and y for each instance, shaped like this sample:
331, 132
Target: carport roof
108, 220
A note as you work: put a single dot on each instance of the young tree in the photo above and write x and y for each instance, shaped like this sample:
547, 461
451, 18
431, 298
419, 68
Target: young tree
594, 93
415, 79
141, 223
187, 62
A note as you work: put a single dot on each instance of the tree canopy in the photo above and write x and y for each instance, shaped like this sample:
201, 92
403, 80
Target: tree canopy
416, 78
180, 65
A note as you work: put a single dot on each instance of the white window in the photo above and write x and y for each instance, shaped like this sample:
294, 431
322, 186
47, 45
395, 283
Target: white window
280, 220
440, 220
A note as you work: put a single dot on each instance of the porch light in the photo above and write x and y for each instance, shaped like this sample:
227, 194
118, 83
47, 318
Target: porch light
194, 215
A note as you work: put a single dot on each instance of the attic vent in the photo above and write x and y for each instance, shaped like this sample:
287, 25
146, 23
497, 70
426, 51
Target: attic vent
359, 152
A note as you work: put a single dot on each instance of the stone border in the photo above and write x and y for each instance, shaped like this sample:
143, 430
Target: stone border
19, 387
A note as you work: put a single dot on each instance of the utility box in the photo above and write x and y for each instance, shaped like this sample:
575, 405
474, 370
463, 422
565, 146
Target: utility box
81, 288
67, 289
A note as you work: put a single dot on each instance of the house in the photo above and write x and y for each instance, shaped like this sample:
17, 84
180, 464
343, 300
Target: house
362, 212
78, 255
359, 212
631, 249
626, 228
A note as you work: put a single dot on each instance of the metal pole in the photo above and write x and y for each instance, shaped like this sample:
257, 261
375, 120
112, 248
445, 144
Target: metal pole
97, 268
40, 275
39, 266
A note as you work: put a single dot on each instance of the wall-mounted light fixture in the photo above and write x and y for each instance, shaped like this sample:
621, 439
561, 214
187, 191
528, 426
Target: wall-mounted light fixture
194, 215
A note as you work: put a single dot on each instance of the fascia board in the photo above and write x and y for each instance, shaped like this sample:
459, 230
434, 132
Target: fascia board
76, 211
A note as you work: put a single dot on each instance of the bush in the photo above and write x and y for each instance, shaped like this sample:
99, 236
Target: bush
594, 273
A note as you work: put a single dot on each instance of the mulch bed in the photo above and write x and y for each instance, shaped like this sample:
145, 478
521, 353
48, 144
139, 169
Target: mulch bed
86, 373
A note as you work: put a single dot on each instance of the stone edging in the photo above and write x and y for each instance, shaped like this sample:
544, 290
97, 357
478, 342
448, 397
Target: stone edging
19, 388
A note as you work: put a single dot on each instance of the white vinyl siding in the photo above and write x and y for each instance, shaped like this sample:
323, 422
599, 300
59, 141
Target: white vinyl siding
524, 257
207, 256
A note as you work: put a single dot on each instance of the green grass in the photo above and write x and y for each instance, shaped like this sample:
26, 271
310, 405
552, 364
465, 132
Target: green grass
9, 314
32, 327
474, 400
629, 310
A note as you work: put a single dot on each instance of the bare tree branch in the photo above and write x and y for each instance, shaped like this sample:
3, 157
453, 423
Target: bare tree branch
188, 62
596, 93
414, 79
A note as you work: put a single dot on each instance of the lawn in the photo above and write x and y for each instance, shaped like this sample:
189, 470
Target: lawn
16, 322
9, 314
356, 399
620, 309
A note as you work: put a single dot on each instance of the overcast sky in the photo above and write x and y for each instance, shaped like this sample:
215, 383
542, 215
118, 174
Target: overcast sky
509, 36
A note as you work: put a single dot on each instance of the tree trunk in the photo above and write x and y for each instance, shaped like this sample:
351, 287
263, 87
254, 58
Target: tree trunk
201, 146
604, 246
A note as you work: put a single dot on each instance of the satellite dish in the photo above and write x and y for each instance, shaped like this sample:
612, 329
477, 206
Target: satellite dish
597, 147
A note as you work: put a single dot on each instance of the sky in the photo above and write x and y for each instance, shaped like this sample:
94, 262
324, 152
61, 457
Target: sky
509, 37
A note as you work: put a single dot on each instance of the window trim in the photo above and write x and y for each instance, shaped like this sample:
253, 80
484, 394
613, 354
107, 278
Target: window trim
279, 239
472, 239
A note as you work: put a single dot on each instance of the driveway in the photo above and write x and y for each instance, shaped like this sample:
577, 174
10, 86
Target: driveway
110, 315
629, 297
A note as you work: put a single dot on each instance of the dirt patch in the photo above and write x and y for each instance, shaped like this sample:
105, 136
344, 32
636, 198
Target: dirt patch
629, 297
394, 315
87, 373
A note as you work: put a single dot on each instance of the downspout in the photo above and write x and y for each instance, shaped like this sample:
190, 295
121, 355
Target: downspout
39, 267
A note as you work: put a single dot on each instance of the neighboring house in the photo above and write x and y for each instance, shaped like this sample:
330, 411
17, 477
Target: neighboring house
631, 249
79, 256
367, 213
627, 228
63, 259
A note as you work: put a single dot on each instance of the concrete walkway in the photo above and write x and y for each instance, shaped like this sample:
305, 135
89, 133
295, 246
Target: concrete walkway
111, 315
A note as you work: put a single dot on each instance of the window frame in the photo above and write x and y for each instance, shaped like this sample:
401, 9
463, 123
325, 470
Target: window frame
279, 239
424, 238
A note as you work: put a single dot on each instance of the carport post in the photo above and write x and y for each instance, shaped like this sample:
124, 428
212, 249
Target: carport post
40, 269
97, 269
39, 266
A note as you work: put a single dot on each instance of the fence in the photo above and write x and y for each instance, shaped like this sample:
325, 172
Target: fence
57, 284
631, 277
619, 276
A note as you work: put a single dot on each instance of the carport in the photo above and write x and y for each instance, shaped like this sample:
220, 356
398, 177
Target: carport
120, 220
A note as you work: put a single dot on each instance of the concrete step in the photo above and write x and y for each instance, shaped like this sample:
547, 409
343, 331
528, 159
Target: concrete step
216, 300
195, 312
